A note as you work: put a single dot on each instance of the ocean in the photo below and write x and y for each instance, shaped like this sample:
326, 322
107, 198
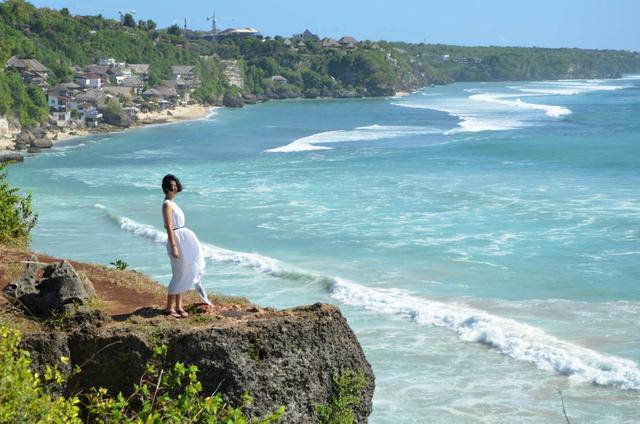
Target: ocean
482, 239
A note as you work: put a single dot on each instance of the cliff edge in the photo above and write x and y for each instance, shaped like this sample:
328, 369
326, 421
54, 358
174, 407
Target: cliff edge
281, 357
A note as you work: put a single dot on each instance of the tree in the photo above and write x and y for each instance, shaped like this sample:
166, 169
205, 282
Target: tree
129, 21
174, 30
16, 217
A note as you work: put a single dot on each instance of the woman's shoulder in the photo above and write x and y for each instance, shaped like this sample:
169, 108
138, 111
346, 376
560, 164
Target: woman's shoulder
167, 202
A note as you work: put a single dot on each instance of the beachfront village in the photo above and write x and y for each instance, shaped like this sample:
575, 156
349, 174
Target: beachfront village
109, 95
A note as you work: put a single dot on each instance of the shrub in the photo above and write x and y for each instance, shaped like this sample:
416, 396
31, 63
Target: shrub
348, 385
163, 396
23, 394
16, 216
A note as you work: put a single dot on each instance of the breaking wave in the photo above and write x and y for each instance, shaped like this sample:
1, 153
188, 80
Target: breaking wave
506, 336
368, 133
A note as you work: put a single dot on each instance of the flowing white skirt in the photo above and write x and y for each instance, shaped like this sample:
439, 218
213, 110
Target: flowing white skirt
189, 267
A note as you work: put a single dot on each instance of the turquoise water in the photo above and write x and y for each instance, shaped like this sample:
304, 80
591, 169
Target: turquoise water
483, 239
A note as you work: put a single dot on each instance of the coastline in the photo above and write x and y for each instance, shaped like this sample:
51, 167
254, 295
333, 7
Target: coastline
180, 113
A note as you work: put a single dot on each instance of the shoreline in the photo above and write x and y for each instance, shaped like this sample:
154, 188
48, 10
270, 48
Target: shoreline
64, 134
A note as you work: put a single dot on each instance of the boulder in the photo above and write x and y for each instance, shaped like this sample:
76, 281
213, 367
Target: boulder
59, 290
33, 149
42, 143
232, 100
250, 99
6, 156
118, 119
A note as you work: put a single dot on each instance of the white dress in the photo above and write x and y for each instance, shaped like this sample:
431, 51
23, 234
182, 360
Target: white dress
187, 269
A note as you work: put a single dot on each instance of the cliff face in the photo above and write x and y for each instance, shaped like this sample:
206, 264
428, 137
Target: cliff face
280, 357
284, 358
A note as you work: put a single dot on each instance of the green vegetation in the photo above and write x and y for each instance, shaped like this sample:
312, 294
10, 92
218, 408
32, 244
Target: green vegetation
16, 216
348, 385
60, 40
163, 396
119, 264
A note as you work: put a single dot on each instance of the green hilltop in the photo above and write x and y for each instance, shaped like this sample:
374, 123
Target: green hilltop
275, 67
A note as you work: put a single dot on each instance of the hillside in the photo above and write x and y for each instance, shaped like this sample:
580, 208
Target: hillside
242, 68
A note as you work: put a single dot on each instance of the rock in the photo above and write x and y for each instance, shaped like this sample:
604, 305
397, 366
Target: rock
281, 358
42, 143
20, 146
119, 119
232, 100
250, 99
59, 290
33, 149
7, 156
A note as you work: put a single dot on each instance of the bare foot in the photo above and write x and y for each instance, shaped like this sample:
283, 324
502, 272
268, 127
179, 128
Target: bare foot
171, 313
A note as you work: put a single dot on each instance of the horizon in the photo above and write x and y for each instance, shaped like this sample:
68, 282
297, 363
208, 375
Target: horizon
573, 24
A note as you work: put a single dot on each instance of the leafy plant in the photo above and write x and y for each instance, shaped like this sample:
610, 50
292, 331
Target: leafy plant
348, 385
119, 264
169, 396
24, 395
16, 216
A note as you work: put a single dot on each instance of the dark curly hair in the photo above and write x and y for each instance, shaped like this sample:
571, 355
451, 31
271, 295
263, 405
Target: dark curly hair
166, 183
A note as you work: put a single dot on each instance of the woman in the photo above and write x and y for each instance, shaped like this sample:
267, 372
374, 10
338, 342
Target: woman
185, 252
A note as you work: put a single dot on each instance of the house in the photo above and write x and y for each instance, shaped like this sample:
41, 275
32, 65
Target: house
306, 35
95, 81
348, 42
116, 75
118, 91
140, 69
31, 70
92, 117
100, 70
179, 72
91, 98
329, 43
134, 83
61, 116
239, 32
107, 61
56, 100
279, 79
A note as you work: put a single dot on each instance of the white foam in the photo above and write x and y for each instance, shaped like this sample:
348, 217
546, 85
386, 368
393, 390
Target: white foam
550, 110
508, 337
470, 120
368, 133
567, 87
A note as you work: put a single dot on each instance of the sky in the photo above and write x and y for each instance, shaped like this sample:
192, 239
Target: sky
602, 24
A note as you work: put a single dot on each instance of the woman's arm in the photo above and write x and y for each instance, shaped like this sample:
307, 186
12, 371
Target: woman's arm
168, 224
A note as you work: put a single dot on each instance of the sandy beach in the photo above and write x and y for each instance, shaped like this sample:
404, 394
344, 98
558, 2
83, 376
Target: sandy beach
180, 113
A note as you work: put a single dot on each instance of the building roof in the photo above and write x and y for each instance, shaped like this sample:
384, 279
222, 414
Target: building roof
348, 40
28, 64
238, 31
117, 90
132, 82
278, 78
329, 42
139, 68
97, 69
181, 69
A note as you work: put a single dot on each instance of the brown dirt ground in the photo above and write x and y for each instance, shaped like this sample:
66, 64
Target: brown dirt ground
125, 295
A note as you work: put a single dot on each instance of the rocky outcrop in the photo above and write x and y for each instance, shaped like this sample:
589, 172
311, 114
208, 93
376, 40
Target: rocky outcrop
118, 119
59, 290
6, 156
231, 70
233, 100
280, 357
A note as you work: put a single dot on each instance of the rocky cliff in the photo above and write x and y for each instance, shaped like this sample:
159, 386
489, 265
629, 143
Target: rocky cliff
281, 357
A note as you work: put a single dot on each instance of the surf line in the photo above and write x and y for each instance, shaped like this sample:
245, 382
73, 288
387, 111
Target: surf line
506, 336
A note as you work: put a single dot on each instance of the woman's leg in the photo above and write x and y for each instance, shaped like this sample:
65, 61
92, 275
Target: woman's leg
179, 309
